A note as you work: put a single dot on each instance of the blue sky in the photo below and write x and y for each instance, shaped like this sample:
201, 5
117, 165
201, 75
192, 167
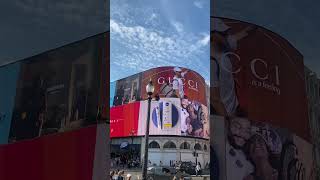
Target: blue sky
146, 34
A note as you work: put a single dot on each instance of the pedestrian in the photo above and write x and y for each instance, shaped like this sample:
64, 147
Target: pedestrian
120, 175
198, 169
161, 163
111, 175
115, 176
128, 176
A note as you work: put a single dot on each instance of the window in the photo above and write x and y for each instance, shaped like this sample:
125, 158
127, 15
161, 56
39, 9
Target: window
185, 145
154, 145
197, 147
205, 148
169, 145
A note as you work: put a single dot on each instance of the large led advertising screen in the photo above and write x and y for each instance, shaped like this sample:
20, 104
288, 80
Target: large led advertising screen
181, 110
257, 73
58, 90
124, 120
167, 117
165, 79
260, 127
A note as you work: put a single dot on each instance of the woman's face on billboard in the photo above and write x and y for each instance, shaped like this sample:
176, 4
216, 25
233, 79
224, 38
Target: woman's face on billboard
258, 148
240, 130
190, 108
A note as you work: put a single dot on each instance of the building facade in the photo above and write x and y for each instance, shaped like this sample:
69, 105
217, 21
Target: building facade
179, 118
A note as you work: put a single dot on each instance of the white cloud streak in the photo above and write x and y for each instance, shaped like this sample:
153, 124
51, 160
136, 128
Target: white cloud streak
178, 26
198, 4
145, 48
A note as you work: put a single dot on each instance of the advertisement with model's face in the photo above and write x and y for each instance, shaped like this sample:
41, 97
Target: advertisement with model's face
256, 150
257, 73
175, 82
247, 149
57, 90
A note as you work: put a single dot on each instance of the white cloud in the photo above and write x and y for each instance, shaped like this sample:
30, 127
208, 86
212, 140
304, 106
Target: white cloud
145, 48
198, 4
153, 16
178, 26
205, 40
143, 38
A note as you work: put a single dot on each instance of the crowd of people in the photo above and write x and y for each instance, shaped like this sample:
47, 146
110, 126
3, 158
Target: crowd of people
126, 161
119, 175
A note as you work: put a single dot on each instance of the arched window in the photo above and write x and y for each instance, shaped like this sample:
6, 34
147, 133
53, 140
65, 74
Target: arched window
197, 147
205, 148
154, 145
169, 145
185, 145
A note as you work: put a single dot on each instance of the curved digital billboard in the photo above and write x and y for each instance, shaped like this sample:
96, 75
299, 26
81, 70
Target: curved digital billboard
181, 109
257, 73
164, 79
259, 102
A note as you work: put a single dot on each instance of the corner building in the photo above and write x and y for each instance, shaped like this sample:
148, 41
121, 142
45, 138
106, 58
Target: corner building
174, 134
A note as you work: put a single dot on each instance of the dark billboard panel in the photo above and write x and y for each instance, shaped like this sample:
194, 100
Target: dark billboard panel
8, 80
58, 90
105, 78
258, 74
127, 90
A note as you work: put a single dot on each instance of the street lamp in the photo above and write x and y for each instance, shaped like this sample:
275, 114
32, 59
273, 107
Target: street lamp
150, 90
132, 133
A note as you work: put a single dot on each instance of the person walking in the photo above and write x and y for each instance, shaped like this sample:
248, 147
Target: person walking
198, 169
120, 176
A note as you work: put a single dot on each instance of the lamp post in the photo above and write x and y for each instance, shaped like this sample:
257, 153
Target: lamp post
150, 90
132, 133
